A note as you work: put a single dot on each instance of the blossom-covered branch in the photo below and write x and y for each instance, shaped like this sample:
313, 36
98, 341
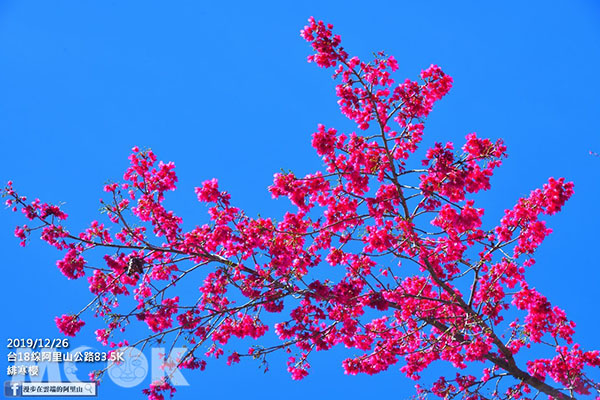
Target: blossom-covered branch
412, 275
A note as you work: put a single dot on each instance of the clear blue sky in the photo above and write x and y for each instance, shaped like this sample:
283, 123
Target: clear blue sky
223, 90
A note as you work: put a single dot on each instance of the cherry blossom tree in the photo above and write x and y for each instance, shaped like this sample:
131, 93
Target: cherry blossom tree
381, 253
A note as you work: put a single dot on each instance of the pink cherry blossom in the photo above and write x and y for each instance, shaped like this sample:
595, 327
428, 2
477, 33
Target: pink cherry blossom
69, 324
378, 251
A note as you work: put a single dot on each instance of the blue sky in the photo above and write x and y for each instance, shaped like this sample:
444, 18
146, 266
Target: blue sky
223, 90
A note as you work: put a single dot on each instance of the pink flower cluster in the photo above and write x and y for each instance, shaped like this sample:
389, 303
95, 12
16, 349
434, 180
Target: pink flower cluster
69, 324
377, 253
453, 178
157, 390
72, 265
567, 368
525, 215
163, 317
542, 317
367, 91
